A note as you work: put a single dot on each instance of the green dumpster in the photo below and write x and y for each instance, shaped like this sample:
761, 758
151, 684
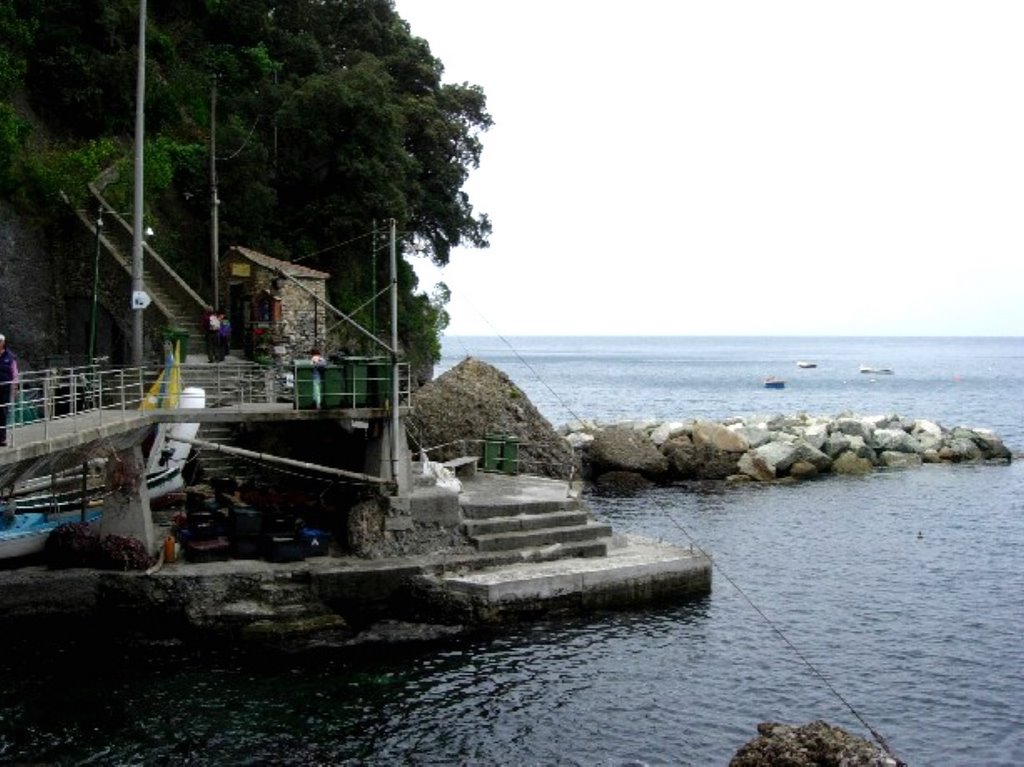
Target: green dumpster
304, 394
492, 451
381, 377
501, 453
357, 381
333, 385
510, 455
177, 338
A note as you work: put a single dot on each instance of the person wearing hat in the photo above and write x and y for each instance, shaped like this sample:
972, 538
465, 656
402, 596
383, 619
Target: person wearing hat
8, 381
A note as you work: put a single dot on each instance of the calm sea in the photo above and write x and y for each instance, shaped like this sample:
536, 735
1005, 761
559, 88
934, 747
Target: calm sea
893, 600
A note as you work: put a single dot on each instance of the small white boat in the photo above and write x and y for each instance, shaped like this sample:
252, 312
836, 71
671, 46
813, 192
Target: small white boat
806, 364
876, 371
22, 535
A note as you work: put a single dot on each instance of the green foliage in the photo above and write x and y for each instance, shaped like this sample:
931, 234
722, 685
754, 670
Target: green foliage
47, 173
329, 115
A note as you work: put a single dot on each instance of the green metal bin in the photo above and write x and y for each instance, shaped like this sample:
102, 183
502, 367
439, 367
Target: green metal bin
333, 385
304, 394
501, 453
179, 338
510, 455
357, 381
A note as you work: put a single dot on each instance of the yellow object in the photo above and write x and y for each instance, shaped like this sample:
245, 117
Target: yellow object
169, 548
166, 390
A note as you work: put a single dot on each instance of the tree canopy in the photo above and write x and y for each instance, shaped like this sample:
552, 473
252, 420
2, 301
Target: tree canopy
331, 118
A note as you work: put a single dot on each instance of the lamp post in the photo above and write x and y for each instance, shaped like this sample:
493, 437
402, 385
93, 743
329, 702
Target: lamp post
394, 354
214, 199
138, 303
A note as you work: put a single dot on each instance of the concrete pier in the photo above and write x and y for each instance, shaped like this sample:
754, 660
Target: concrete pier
343, 600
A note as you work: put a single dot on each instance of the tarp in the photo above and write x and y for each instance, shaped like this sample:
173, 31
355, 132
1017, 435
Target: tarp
166, 390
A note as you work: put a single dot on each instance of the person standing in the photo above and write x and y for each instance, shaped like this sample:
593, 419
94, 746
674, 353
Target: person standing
225, 336
8, 384
212, 337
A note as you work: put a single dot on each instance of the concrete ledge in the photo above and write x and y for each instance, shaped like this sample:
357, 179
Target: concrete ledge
636, 572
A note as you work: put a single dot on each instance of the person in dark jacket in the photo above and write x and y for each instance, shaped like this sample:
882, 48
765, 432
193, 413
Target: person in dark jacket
8, 383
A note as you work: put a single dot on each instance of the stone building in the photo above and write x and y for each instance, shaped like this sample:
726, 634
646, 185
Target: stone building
277, 308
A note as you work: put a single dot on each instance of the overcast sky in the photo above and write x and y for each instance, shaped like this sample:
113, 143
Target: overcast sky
740, 167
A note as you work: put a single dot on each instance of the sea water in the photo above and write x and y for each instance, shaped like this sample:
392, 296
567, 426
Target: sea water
891, 602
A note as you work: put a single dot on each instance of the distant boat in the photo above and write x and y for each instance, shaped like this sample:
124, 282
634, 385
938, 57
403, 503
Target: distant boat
771, 382
876, 371
805, 364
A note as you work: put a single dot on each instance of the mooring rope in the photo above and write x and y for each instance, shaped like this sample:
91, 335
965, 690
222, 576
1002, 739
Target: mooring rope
718, 568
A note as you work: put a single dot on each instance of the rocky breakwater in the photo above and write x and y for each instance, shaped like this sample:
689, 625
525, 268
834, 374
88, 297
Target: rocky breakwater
771, 448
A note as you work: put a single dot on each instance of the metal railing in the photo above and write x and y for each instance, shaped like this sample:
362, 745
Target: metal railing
90, 395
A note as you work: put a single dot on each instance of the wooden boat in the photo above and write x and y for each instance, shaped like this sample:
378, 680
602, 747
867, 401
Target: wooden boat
806, 364
771, 382
23, 535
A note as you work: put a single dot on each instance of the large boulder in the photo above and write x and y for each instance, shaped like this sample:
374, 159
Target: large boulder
851, 463
810, 745
622, 448
687, 460
894, 440
452, 415
718, 437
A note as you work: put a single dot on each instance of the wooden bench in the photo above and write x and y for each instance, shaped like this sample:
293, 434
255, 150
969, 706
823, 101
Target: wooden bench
464, 466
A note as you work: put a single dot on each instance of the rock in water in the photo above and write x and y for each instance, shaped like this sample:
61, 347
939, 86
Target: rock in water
810, 745
452, 414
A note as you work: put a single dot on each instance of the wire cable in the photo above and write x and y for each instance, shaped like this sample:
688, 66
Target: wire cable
778, 632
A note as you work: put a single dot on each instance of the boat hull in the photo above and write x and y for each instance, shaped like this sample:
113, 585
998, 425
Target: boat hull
26, 534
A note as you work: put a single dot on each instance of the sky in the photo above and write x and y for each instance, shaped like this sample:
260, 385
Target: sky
739, 167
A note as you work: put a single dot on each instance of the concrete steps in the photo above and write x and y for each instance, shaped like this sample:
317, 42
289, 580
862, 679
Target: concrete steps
524, 522
590, 531
534, 516
215, 463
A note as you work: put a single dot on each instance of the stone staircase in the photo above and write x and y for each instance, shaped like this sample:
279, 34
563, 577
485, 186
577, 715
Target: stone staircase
180, 306
539, 527
215, 463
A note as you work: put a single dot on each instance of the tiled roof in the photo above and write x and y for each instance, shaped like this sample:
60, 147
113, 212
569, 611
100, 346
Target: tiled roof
276, 264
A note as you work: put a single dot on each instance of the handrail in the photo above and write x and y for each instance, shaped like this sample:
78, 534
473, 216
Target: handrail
55, 394
152, 256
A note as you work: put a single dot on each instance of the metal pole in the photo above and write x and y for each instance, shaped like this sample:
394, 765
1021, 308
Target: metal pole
394, 356
140, 132
95, 286
214, 200
373, 282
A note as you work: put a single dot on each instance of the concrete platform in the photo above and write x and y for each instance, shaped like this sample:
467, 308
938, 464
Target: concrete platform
636, 572
321, 594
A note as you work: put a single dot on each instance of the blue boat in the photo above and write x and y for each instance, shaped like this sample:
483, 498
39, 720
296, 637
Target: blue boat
774, 383
22, 535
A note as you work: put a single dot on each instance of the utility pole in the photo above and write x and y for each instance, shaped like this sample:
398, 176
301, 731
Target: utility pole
214, 200
394, 356
373, 281
138, 302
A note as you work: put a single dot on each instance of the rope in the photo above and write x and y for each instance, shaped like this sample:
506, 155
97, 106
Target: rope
874, 733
